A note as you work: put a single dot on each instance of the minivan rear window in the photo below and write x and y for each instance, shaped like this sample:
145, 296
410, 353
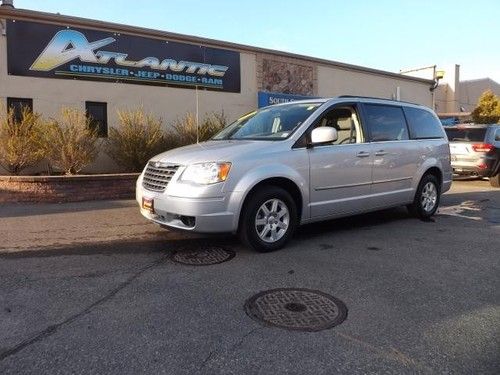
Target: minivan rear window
423, 124
466, 134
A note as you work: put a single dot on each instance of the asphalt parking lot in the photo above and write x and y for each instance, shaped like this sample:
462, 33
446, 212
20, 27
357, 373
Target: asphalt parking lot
92, 288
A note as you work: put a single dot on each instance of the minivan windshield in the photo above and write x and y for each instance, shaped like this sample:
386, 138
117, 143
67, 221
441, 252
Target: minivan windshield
269, 123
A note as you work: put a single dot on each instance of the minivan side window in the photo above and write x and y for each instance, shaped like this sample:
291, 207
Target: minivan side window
345, 121
385, 123
344, 118
423, 124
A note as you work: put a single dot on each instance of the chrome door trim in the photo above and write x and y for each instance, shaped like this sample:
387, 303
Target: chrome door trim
339, 200
341, 186
363, 184
391, 180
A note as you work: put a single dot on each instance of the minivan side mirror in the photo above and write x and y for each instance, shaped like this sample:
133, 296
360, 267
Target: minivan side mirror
323, 134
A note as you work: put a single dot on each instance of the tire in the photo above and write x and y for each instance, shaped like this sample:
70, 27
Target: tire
426, 201
265, 230
495, 180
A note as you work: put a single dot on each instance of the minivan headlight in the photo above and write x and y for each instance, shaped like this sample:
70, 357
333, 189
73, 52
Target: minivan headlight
206, 173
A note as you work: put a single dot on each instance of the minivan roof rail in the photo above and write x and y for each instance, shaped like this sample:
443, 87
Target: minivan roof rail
373, 97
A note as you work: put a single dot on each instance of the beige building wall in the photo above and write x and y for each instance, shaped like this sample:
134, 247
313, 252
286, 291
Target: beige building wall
471, 90
448, 91
335, 81
453, 95
259, 69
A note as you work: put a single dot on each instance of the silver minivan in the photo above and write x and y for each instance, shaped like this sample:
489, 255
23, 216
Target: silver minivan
290, 164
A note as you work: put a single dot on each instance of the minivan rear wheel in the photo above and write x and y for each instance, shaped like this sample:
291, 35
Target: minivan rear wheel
426, 201
268, 220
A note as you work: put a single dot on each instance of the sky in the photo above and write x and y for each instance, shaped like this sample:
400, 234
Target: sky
382, 34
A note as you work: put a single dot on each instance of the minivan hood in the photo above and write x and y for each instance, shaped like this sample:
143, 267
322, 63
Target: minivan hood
210, 151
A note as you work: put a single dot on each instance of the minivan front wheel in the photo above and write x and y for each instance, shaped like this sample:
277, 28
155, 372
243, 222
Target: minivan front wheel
269, 219
426, 200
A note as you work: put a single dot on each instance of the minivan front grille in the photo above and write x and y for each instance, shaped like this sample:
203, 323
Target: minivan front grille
158, 175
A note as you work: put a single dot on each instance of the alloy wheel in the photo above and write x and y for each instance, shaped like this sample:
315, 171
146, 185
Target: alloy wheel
429, 196
272, 220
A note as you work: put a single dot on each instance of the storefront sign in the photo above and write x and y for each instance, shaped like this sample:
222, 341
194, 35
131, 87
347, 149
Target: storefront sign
51, 51
270, 98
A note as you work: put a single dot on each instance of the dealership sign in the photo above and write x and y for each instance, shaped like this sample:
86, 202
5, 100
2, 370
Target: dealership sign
270, 98
40, 50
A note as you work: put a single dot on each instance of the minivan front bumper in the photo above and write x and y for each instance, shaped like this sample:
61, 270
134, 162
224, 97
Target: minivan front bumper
202, 215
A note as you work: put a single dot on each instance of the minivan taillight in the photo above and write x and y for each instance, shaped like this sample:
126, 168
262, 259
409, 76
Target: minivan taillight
482, 147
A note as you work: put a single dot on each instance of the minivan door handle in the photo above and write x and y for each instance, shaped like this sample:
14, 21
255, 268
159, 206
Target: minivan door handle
380, 153
363, 154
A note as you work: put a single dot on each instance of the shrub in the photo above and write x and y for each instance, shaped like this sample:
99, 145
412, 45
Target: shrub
487, 110
20, 140
71, 141
138, 137
185, 130
214, 122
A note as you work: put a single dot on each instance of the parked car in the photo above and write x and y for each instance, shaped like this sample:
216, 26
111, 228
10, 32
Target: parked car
475, 150
296, 163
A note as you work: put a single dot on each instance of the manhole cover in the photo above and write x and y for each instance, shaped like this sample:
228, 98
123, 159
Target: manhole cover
296, 309
203, 256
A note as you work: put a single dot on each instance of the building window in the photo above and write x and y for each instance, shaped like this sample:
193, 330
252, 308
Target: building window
97, 112
17, 104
